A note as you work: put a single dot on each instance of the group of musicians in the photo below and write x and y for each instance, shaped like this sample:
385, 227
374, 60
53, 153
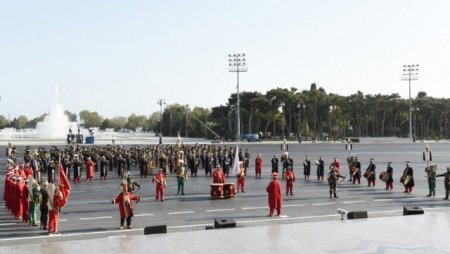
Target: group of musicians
171, 159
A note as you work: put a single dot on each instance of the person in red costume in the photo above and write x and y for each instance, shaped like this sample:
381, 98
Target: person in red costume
241, 177
55, 210
125, 201
335, 165
18, 197
25, 201
217, 175
160, 185
258, 165
89, 169
274, 190
290, 179
28, 170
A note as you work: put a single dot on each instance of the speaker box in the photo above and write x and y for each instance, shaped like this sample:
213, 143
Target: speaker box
357, 215
412, 210
224, 223
160, 229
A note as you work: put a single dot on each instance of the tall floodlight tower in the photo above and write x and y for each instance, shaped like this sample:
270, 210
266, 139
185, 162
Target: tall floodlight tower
410, 72
237, 63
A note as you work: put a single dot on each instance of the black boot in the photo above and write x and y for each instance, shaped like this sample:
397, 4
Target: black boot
335, 195
330, 194
446, 195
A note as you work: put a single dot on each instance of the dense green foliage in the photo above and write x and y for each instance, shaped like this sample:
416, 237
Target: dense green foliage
312, 114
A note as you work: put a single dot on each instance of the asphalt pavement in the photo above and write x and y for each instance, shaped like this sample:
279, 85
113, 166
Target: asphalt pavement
89, 213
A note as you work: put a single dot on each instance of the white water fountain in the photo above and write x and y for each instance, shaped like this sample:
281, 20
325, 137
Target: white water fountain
56, 124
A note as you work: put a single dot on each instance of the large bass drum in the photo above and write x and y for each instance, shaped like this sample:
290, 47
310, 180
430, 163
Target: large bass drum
384, 176
405, 179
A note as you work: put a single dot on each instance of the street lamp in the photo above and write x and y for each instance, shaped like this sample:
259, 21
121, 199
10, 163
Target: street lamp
332, 124
410, 72
237, 63
161, 102
300, 107
282, 120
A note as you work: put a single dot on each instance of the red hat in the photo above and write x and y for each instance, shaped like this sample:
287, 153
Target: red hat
274, 174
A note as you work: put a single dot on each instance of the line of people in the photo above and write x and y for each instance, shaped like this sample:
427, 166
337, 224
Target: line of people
24, 197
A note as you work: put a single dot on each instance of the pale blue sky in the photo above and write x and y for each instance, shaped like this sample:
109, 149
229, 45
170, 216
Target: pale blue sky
120, 57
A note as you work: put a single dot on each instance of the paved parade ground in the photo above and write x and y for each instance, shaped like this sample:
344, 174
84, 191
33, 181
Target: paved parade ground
89, 213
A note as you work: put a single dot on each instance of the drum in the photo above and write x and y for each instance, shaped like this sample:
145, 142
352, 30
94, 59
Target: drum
353, 171
228, 190
384, 176
405, 179
216, 190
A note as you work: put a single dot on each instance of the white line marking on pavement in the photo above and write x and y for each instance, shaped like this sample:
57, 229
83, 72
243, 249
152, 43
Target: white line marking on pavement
293, 205
254, 208
188, 226
284, 216
62, 220
97, 218
8, 224
219, 210
383, 200
354, 202
413, 198
289, 218
392, 211
142, 215
186, 212
324, 204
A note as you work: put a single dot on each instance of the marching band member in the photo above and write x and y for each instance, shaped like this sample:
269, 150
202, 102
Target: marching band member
290, 179
356, 167
320, 168
181, 176
55, 209
370, 174
241, 177
431, 179
89, 169
258, 165
274, 198
446, 176
390, 180
274, 163
217, 175
333, 176
77, 165
408, 176
44, 205
125, 200
335, 165
307, 168
160, 185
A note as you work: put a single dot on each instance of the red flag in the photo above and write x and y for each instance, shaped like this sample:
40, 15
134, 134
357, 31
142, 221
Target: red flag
64, 185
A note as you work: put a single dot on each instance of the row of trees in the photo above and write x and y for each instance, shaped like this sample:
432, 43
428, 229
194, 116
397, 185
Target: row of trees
280, 112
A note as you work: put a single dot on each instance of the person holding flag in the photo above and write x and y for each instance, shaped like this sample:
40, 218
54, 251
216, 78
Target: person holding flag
58, 199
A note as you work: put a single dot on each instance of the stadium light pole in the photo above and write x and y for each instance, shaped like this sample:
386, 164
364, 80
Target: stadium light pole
161, 102
410, 72
237, 63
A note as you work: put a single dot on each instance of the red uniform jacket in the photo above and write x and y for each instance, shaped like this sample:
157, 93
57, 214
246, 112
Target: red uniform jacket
89, 169
289, 176
274, 190
159, 179
258, 164
125, 202
218, 176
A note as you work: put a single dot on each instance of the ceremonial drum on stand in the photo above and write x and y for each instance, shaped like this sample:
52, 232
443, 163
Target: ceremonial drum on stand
228, 190
217, 190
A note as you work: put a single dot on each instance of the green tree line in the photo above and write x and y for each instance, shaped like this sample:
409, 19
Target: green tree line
288, 112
